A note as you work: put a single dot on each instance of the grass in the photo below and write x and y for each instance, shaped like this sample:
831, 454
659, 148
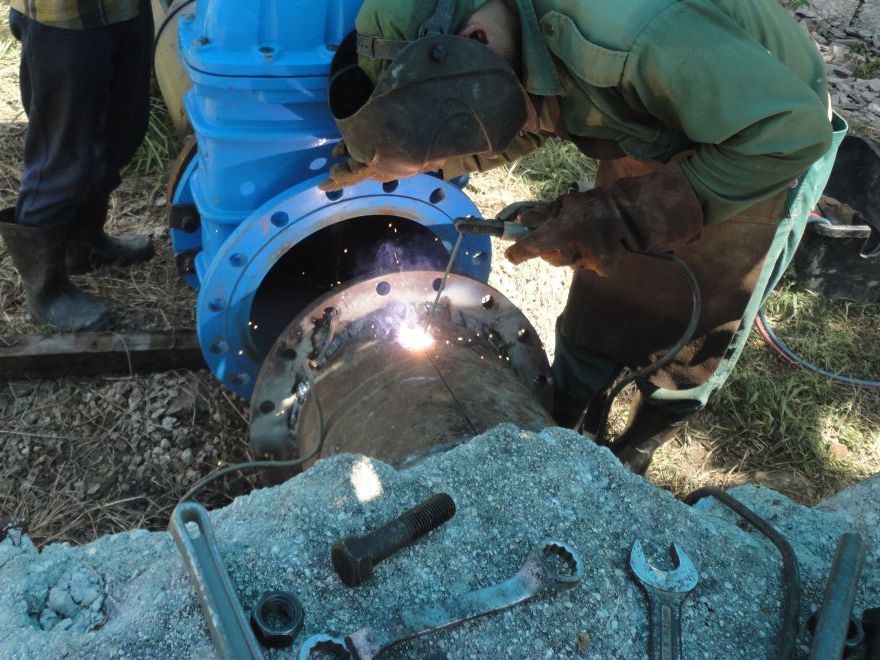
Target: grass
161, 143
866, 65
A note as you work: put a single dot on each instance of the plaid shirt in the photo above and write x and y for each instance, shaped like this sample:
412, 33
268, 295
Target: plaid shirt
77, 14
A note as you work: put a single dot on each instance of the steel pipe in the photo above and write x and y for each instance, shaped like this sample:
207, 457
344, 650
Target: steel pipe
378, 394
832, 626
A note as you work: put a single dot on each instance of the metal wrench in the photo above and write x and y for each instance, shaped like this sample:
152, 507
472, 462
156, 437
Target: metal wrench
536, 576
232, 635
666, 591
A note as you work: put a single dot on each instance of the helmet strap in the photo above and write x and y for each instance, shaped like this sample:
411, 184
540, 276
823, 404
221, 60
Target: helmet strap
438, 23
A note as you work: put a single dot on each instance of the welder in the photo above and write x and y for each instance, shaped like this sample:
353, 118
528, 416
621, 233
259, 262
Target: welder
715, 137
85, 84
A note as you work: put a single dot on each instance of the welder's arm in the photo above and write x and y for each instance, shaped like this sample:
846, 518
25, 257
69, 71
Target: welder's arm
524, 143
657, 212
756, 125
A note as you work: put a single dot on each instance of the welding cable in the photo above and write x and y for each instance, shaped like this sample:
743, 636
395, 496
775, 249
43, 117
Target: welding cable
266, 465
791, 582
663, 360
787, 355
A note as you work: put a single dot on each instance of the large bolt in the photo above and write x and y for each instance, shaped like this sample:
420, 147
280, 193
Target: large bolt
355, 556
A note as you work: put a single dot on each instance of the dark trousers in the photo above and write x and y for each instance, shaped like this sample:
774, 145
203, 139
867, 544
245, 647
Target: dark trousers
87, 97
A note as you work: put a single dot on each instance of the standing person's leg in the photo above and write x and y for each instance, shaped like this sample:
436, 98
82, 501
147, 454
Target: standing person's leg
63, 88
120, 132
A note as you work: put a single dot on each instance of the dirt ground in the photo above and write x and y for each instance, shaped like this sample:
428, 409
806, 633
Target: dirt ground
81, 457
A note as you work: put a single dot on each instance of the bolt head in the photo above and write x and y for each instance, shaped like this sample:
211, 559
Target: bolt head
438, 53
352, 564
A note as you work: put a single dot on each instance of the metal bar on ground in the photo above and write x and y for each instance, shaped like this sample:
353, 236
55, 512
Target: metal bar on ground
98, 353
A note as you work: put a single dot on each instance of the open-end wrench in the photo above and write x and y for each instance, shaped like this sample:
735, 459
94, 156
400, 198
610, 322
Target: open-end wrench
666, 591
542, 571
232, 635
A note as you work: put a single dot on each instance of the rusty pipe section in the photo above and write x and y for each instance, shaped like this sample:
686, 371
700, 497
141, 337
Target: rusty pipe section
382, 395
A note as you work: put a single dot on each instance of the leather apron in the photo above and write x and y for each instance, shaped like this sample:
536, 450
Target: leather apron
637, 312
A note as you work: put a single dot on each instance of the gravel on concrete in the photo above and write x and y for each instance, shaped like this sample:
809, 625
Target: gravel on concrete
127, 595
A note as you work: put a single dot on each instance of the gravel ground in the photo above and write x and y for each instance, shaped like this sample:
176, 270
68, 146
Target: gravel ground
132, 593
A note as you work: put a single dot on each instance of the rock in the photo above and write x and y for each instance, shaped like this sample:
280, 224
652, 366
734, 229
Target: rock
512, 490
839, 52
867, 19
838, 450
182, 405
837, 10
873, 85
874, 108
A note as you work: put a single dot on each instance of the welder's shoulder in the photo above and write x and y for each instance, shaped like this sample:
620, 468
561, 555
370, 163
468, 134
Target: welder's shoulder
611, 24
593, 39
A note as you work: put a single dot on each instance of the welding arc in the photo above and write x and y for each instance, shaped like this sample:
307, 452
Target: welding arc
442, 286
659, 363
265, 465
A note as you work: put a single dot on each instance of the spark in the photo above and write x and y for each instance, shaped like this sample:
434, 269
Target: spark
413, 338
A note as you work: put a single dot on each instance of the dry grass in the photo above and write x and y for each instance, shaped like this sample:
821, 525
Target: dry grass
83, 457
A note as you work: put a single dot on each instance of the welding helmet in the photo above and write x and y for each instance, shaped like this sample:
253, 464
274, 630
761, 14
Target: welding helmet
442, 96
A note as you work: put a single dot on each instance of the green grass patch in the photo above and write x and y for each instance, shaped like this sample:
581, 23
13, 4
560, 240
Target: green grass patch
161, 143
775, 417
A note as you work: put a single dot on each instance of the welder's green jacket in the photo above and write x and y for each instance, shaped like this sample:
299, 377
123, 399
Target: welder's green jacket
737, 81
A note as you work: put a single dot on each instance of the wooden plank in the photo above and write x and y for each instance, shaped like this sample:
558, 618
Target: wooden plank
98, 353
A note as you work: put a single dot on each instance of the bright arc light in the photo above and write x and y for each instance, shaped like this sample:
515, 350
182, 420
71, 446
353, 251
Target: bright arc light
414, 338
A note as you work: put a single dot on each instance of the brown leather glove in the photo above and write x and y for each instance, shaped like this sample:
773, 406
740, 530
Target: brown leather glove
656, 212
351, 172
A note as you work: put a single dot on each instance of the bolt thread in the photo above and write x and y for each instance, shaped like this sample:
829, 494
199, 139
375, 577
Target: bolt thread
431, 513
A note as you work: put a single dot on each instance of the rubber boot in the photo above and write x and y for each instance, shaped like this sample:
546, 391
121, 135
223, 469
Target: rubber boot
38, 255
89, 247
649, 428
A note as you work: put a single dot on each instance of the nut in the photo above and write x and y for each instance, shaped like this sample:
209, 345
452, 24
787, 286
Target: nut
277, 619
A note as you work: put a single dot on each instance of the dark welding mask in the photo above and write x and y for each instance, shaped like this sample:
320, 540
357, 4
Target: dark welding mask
442, 97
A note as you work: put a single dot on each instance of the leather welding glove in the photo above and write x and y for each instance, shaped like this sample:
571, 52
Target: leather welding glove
656, 212
514, 212
351, 171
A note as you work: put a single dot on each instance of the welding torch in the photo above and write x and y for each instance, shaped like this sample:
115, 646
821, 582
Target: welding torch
506, 230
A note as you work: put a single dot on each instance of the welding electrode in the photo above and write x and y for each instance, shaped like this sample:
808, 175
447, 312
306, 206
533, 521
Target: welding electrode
504, 229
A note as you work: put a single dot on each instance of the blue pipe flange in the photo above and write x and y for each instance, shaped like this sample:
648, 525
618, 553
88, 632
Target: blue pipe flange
224, 307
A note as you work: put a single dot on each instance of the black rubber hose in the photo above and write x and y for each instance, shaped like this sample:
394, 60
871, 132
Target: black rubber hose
663, 360
791, 582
